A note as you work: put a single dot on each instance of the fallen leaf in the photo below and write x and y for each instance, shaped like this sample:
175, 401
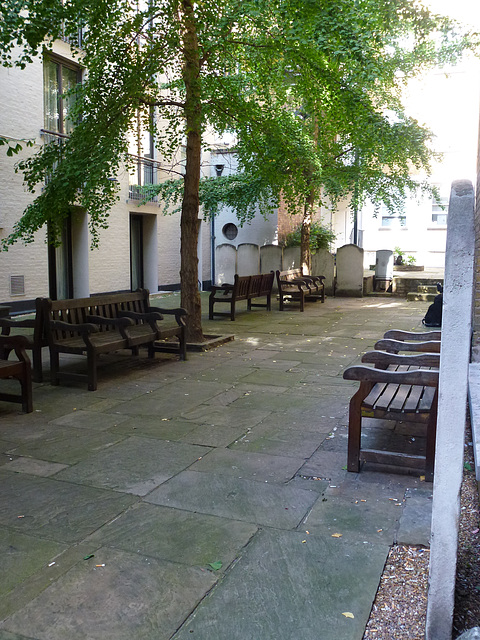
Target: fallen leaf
422, 478
337, 535
215, 565
347, 614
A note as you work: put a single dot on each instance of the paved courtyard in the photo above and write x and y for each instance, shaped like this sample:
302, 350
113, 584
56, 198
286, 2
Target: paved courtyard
206, 499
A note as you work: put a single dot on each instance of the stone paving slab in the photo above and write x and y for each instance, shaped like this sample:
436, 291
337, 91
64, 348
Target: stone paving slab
415, 521
357, 511
58, 510
65, 445
255, 466
173, 399
239, 499
89, 420
135, 465
178, 536
34, 467
21, 556
234, 414
280, 442
131, 596
285, 589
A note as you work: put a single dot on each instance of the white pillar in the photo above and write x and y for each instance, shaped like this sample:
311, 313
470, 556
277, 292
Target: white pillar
452, 400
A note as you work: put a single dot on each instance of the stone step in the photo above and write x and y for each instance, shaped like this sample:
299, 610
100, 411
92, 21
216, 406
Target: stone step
413, 296
431, 288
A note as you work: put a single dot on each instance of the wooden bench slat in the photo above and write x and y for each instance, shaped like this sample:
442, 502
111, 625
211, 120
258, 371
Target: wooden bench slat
425, 403
411, 405
400, 398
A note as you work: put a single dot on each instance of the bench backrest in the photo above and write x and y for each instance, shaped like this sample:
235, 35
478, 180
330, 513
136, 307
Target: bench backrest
261, 284
241, 286
76, 310
291, 274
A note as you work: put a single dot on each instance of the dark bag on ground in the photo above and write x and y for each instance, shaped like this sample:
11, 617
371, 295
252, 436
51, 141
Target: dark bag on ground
433, 317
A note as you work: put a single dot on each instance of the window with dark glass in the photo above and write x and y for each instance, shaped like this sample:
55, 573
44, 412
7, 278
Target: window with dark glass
59, 79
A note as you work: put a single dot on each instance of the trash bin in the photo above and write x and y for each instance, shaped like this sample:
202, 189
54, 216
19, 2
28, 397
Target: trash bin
383, 269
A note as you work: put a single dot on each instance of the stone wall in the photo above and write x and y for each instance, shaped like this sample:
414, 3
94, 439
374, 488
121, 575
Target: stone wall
476, 310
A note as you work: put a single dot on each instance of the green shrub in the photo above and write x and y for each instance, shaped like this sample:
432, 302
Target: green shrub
321, 237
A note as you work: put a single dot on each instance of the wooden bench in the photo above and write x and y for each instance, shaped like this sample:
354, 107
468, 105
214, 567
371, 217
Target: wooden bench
399, 388
104, 324
246, 288
19, 369
293, 285
36, 339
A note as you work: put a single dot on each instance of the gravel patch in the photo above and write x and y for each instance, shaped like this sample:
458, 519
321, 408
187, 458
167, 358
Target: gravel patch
400, 607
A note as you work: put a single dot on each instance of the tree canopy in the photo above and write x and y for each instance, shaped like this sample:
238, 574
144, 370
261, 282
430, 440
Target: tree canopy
304, 84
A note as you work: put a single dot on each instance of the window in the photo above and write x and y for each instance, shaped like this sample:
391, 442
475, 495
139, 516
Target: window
230, 231
439, 211
59, 77
390, 219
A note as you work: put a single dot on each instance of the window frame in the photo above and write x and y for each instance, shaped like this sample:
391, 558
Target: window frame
60, 64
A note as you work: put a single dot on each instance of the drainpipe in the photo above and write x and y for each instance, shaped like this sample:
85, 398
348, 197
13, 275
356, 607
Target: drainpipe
218, 170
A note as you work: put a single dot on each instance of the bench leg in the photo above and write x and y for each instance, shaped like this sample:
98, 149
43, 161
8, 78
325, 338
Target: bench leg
211, 302
26, 385
232, 310
37, 364
183, 344
280, 300
54, 367
269, 302
92, 370
355, 428
302, 302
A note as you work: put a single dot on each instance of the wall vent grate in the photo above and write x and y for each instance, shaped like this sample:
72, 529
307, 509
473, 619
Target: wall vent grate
17, 285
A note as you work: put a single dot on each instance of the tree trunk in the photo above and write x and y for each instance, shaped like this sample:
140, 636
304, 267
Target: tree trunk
305, 254
190, 222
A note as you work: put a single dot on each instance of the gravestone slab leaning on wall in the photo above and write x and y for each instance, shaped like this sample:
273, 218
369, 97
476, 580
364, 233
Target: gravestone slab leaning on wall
248, 259
225, 263
349, 271
323, 264
291, 258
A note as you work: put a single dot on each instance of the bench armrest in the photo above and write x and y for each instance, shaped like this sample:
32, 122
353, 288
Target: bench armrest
300, 284
225, 287
394, 346
382, 359
18, 344
414, 377
422, 336
150, 316
179, 313
114, 322
84, 329
7, 324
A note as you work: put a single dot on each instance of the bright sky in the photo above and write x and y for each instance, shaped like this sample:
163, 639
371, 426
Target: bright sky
466, 11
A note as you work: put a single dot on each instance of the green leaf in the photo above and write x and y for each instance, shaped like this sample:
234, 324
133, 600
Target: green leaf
467, 466
216, 565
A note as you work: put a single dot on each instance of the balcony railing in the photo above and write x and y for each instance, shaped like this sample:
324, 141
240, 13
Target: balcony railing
143, 172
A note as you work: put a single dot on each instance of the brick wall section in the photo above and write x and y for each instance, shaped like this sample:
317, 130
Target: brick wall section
476, 319
288, 222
